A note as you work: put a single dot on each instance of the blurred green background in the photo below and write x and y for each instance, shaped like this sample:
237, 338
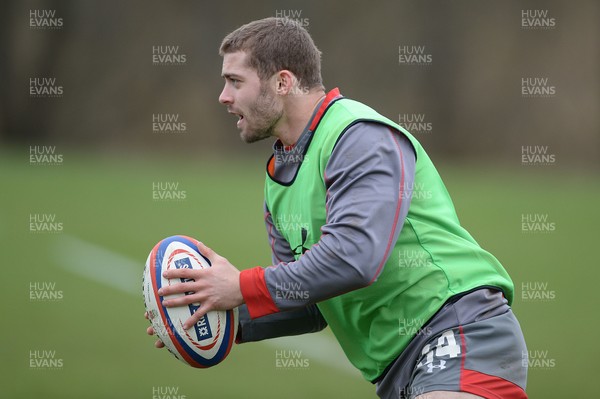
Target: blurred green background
100, 191
97, 328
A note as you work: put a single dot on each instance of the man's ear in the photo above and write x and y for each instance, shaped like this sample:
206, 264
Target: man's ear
285, 82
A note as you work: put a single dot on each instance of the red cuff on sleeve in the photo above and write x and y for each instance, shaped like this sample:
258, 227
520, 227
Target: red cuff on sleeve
255, 292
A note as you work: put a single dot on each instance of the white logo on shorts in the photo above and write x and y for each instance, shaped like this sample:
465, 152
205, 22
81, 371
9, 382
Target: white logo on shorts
431, 366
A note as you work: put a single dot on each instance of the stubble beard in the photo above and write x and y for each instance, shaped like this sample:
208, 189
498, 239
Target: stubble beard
265, 113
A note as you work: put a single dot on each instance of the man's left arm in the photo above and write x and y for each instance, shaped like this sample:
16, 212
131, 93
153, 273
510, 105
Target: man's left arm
369, 178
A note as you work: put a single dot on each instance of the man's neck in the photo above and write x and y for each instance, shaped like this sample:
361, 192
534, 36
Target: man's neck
297, 113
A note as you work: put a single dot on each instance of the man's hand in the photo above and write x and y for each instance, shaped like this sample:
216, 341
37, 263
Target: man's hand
215, 288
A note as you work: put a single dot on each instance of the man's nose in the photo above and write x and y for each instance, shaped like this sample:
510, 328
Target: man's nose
225, 97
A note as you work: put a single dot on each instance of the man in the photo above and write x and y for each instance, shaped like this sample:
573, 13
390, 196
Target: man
416, 304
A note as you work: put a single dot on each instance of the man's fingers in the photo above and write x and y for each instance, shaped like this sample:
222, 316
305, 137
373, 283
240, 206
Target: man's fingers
193, 319
150, 331
182, 300
180, 273
178, 288
207, 252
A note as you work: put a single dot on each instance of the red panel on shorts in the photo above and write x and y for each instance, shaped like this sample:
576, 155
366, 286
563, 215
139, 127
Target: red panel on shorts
489, 386
485, 385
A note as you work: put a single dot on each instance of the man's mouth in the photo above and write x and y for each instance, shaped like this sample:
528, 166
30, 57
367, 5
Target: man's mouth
240, 118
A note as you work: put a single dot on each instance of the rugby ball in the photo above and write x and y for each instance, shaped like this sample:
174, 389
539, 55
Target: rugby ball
209, 341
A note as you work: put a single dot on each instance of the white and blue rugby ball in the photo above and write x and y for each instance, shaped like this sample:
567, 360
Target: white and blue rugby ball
209, 341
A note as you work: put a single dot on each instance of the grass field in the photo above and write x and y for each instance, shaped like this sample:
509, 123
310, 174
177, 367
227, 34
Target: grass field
89, 340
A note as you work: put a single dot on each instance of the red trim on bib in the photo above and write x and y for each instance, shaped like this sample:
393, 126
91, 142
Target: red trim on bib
271, 167
332, 95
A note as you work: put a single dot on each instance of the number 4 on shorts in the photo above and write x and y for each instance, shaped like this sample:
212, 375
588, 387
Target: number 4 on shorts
451, 349
446, 346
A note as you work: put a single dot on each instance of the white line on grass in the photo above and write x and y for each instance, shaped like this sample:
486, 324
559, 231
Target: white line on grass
99, 264
96, 263
318, 346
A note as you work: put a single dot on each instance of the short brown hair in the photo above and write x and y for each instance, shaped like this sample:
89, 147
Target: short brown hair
274, 44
